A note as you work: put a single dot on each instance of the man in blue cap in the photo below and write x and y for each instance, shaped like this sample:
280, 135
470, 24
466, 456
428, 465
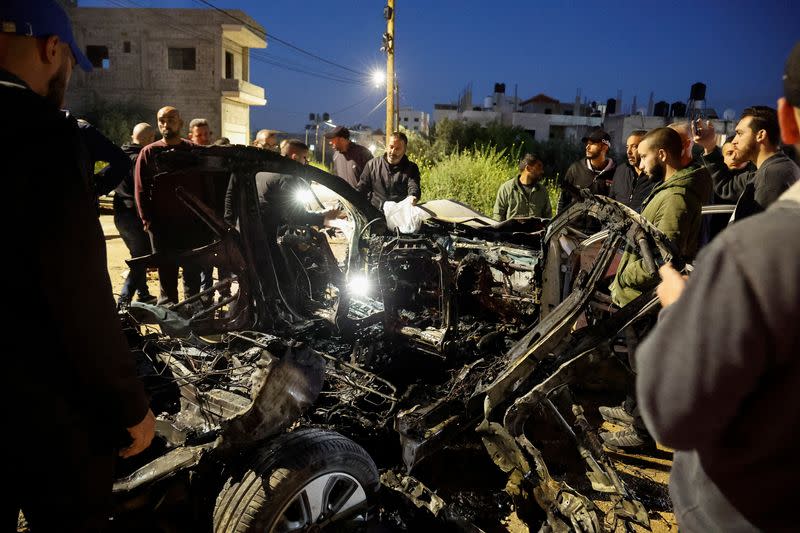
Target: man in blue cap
72, 385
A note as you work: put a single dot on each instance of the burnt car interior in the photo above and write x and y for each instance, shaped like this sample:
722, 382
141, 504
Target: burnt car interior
358, 375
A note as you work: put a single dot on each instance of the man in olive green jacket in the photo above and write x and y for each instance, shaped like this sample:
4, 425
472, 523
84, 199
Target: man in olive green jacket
524, 196
674, 207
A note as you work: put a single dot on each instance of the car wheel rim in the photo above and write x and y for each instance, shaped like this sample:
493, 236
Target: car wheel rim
325, 499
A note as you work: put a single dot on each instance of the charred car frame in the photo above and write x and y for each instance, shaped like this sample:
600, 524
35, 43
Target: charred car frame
452, 374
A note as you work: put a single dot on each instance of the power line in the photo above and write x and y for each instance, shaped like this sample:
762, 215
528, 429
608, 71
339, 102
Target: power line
282, 41
303, 71
342, 110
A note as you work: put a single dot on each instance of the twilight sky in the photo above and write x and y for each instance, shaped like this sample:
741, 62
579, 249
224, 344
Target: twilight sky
736, 47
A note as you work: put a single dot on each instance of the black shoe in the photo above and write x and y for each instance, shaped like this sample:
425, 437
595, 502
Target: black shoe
146, 299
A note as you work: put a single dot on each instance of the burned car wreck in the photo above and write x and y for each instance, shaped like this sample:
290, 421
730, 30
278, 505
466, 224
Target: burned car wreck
437, 377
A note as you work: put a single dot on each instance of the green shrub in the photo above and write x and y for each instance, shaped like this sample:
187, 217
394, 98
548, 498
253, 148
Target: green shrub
469, 176
116, 120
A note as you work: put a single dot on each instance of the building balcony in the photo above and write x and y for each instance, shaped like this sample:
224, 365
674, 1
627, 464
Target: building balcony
243, 92
244, 35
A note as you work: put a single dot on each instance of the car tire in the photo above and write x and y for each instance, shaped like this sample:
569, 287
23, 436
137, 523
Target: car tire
299, 480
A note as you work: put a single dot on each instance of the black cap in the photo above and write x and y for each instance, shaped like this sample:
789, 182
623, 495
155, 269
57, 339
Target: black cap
598, 136
791, 77
338, 131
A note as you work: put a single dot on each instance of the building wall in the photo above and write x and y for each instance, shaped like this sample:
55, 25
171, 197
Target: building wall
235, 121
138, 74
415, 120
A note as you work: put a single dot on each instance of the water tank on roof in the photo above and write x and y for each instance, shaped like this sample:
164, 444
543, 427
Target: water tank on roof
487, 102
500, 88
661, 109
698, 91
677, 109
611, 106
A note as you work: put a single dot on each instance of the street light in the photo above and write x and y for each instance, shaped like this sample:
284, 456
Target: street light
378, 78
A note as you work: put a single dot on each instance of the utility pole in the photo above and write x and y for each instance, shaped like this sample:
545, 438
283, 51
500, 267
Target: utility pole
388, 45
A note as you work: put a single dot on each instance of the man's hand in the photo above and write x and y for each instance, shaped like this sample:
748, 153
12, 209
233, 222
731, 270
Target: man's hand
142, 435
671, 286
146, 225
413, 200
703, 134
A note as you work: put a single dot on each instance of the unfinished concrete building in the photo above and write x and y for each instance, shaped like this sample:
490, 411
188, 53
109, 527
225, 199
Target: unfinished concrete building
197, 60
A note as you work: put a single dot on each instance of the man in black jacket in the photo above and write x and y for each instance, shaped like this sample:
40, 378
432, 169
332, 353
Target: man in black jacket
393, 177
631, 185
595, 172
128, 223
757, 140
71, 384
350, 158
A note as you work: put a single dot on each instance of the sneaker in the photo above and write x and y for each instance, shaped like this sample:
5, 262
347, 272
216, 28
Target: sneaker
627, 439
146, 299
616, 415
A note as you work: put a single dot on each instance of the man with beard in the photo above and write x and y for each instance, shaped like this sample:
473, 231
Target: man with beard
594, 172
673, 207
349, 158
71, 383
631, 185
524, 196
391, 178
757, 140
172, 226
128, 223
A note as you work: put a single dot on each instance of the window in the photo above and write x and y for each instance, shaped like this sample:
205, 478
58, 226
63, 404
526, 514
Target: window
182, 59
405, 119
98, 56
548, 111
228, 65
416, 119
126, 47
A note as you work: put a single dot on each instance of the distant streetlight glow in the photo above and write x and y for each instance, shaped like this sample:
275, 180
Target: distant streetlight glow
378, 78
372, 148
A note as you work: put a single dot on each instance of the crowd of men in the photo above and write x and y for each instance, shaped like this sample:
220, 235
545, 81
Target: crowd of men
717, 377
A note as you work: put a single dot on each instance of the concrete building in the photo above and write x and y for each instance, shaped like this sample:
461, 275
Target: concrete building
415, 120
197, 60
542, 116
545, 117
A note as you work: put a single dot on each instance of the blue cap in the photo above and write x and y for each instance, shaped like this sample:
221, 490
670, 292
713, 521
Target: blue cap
40, 18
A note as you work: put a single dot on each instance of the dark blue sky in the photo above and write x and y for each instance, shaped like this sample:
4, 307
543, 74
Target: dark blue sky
736, 47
